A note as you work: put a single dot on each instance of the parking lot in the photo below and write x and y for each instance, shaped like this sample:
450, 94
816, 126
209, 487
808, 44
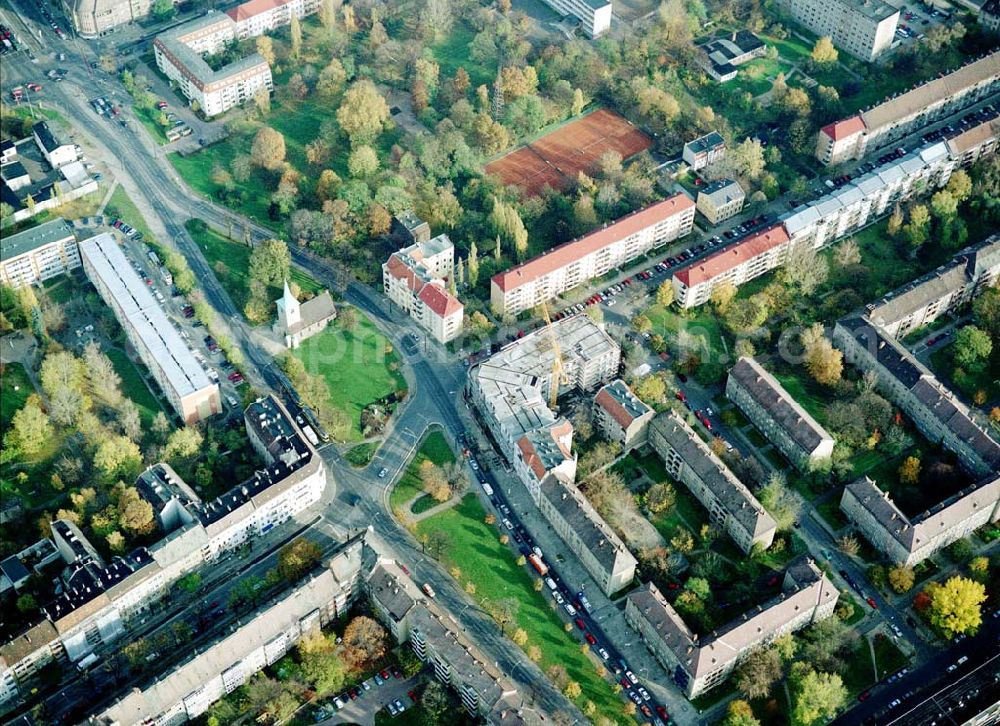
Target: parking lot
386, 691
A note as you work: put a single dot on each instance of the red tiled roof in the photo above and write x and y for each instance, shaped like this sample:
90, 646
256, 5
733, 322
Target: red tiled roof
728, 258
401, 271
610, 404
247, 10
439, 300
842, 129
530, 457
577, 249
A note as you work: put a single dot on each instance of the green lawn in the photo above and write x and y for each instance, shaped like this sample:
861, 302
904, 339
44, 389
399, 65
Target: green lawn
694, 332
121, 205
231, 263
453, 52
147, 117
62, 289
687, 512
861, 674
15, 387
830, 511
474, 548
433, 448
134, 387
355, 365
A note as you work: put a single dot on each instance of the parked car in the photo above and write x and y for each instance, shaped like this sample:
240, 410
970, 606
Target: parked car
589, 637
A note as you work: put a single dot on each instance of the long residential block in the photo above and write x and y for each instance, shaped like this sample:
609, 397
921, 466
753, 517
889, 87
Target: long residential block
574, 263
935, 411
863, 28
38, 254
258, 17
700, 663
594, 15
511, 392
168, 357
179, 52
730, 504
940, 292
99, 601
188, 689
895, 118
779, 417
908, 541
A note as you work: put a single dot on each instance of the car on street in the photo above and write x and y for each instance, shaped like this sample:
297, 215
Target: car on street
589, 637
604, 654
631, 676
580, 624
382, 472
644, 693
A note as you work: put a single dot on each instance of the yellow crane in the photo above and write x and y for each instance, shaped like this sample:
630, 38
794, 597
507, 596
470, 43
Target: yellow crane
558, 373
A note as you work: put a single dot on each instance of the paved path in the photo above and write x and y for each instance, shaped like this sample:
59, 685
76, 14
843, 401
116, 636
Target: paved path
436, 509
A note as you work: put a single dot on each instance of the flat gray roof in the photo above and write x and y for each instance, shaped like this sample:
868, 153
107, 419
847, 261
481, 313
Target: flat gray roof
31, 239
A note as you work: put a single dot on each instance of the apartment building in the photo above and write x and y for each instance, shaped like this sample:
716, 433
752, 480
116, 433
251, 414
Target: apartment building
38, 254
989, 16
730, 504
904, 380
594, 15
602, 552
574, 263
511, 392
55, 151
258, 17
720, 200
622, 416
184, 382
704, 150
99, 600
393, 597
700, 663
777, 415
258, 640
895, 118
908, 541
864, 29
179, 52
298, 321
409, 229
415, 278
740, 262
94, 18
941, 292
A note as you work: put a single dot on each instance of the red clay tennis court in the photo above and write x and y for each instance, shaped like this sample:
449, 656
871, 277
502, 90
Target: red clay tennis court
557, 157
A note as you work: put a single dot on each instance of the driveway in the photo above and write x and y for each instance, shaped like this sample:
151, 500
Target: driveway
362, 710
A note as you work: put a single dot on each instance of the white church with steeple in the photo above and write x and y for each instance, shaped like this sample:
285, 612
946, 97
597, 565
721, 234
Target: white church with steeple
298, 321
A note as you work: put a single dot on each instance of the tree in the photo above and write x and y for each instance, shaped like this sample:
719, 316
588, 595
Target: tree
572, 690
62, 370
909, 470
699, 587
507, 223
265, 47
745, 159
558, 675
642, 324
128, 419
184, 442
163, 9
268, 150
739, 713
472, 265
901, 578
847, 253
895, 223
665, 293
435, 702
806, 268
916, 229
944, 205
722, 295
26, 603
434, 481
972, 347
824, 362
363, 112
117, 457
364, 642
30, 429
321, 665
823, 52
651, 389
955, 605
297, 557
135, 514
756, 675
781, 502
347, 318
816, 696
825, 645
660, 497
363, 162
270, 263
520, 637
105, 383
295, 30
490, 136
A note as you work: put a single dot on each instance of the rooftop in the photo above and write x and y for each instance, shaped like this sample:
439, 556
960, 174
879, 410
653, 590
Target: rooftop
721, 191
31, 239
729, 257
621, 404
738, 502
839, 130
770, 395
136, 303
175, 40
711, 140
386, 589
569, 252
874, 9
932, 92
45, 136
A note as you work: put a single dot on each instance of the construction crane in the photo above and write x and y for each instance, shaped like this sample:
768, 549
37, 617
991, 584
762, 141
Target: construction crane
558, 372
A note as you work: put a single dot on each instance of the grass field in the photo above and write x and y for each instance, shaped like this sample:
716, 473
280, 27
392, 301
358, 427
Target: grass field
355, 365
453, 52
361, 454
475, 549
147, 117
15, 387
861, 673
134, 387
698, 333
231, 263
121, 204
433, 448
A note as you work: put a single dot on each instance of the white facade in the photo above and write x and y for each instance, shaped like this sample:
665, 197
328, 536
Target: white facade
863, 28
258, 17
38, 254
594, 15
414, 278
574, 263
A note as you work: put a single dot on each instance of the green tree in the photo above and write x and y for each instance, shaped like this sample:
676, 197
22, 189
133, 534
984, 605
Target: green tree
660, 497
507, 223
972, 347
651, 389
472, 264
118, 457
26, 603
362, 162
435, 702
270, 263
816, 697
955, 606
184, 442
722, 295
665, 293
944, 205
163, 9
739, 713
900, 578
756, 675
321, 665
295, 31
363, 113
298, 557
30, 429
